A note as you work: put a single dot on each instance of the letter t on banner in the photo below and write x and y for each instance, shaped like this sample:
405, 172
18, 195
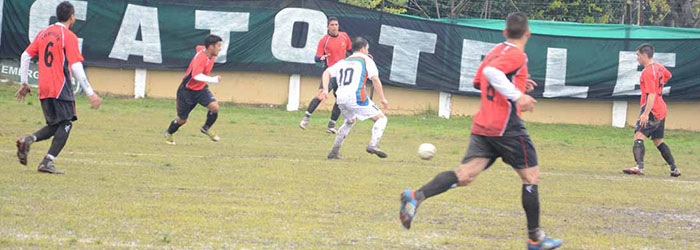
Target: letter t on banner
408, 44
221, 24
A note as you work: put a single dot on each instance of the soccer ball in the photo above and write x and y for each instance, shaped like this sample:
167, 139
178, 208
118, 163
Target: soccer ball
426, 151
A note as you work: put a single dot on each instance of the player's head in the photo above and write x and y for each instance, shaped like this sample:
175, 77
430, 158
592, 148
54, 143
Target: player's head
65, 13
360, 44
333, 26
517, 26
213, 44
645, 53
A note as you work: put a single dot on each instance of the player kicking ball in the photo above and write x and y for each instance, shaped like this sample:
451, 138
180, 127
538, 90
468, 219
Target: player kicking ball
351, 75
194, 90
497, 132
653, 111
57, 50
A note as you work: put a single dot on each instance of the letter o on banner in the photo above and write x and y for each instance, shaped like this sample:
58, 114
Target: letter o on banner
281, 46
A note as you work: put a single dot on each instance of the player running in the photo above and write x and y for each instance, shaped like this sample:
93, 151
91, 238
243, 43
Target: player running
352, 74
652, 117
497, 132
194, 89
331, 48
57, 50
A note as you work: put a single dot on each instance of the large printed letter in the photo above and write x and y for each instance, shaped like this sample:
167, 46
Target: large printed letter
408, 44
472, 54
628, 75
555, 77
282, 48
221, 24
138, 17
42, 10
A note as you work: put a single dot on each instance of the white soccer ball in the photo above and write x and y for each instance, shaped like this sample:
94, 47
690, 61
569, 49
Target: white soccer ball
426, 151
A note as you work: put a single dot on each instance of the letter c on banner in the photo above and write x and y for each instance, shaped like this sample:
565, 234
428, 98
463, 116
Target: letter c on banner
281, 46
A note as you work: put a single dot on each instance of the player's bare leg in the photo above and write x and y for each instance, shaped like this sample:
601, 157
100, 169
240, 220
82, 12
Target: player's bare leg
212, 115
340, 137
638, 151
668, 157
464, 175
377, 132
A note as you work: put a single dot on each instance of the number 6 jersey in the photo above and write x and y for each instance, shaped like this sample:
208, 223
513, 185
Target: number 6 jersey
57, 49
352, 75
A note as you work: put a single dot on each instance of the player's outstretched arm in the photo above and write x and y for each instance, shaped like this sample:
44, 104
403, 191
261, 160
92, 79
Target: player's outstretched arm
377, 85
208, 79
325, 79
505, 87
81, 77
24, 77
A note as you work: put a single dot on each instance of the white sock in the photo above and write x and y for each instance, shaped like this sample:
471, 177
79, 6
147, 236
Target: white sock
343, 133
50, 157
378, 131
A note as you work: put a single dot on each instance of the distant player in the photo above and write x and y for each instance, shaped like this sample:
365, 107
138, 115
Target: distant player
352, 74
652, 117
194, 89
331, 48
497, 132
57, 50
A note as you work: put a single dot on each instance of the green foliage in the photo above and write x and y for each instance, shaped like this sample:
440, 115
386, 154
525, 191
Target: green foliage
391, 6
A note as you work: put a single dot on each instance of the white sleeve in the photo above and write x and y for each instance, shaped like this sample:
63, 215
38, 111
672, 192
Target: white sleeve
371, 68
79, 74
500, 82
204, 78
24, 67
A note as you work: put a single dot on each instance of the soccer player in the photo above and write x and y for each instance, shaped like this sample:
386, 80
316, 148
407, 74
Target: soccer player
497, 132
194, 89
653, 111
331, 48
352, 74
58, 53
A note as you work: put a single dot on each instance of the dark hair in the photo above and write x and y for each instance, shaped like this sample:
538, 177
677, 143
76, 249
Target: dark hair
331, 19
516, 25
358, 43
647, 49
211, 40
64, 10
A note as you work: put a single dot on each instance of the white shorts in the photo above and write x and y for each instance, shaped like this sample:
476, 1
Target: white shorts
354, 111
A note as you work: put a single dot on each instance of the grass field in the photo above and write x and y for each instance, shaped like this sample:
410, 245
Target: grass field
267, 184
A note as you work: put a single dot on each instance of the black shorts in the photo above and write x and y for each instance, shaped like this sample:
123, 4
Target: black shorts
516, 151
57, 111
332, 85
654, 128
187, 99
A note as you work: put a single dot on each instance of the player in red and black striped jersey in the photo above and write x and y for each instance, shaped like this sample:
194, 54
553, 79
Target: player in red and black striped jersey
497, 132
652, 118
57, 50
194, 90
332, 48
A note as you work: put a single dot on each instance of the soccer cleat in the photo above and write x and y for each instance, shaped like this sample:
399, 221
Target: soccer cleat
23, 143
543, 244
334, 156
46, 166
304, 122
331, 130
377, 151
634, 170
208, 132
409, 206
676, 173
169, 138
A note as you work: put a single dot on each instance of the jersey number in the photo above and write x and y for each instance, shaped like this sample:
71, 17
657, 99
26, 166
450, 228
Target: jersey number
345, 76
48, 56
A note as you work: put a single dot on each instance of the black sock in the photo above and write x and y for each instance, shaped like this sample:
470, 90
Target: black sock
531, 204
174, 126
335, 114
60, 138
312, 106
666, 153
45, 133
441, 183
638, 150
211, 118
